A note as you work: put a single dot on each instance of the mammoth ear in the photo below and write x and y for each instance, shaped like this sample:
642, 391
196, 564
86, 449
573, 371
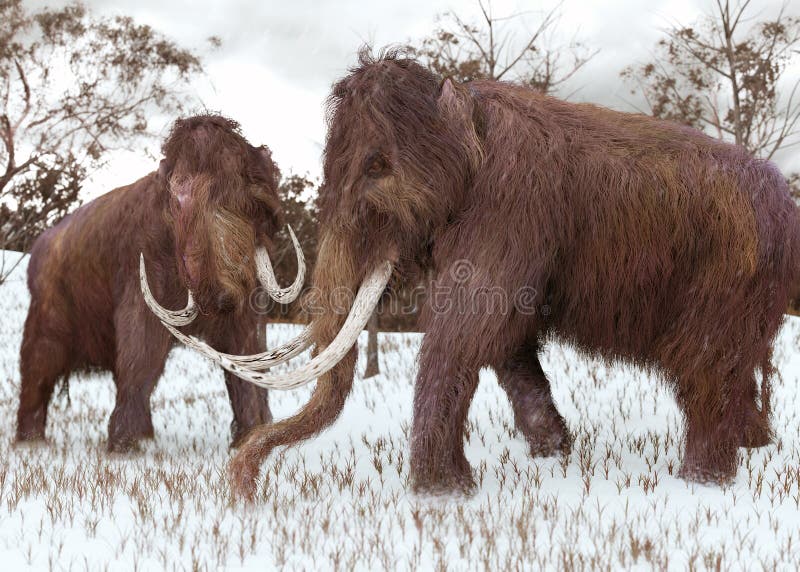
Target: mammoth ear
266, 154
274, 173
447, 92
164, 170
450, 100
459, 108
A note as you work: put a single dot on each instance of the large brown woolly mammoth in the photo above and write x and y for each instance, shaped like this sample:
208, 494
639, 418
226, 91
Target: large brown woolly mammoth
629, 237
201, 222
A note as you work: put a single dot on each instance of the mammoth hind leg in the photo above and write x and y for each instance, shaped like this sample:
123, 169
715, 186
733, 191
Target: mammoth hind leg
712, 409
42, 362
535, 414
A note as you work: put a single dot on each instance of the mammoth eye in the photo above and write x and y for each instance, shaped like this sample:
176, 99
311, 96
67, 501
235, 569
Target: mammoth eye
376, 165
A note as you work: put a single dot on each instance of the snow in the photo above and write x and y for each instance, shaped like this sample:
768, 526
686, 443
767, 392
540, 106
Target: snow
341, 500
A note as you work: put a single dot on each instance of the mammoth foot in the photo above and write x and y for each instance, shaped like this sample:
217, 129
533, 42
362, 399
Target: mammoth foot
31, 424
126, 430
123, 445
437, 478
455, 484
755, 430
29, 435
756, 435
547, 436
550, 445
128, 442
714, 464
707, 474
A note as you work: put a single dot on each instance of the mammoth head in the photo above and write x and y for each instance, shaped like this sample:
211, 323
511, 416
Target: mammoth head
224, 210
402, 146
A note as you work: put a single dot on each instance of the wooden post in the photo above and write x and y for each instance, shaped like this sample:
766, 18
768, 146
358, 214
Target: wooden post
373, 367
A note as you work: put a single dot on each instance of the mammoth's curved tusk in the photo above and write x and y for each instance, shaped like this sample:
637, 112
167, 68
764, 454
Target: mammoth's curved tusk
252, 362
267, 276
263, 360
362, 308
172, 317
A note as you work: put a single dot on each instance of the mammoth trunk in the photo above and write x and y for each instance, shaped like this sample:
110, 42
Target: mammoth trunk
336, 281
234, 253
218, 256
329, 303
340, 298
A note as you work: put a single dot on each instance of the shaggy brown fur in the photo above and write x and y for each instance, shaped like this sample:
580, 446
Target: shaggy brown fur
637, 239
198, 221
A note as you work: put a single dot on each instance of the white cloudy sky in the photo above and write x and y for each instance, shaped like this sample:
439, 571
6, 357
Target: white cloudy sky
279, 58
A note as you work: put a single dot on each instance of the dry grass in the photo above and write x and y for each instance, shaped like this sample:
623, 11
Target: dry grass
342, 501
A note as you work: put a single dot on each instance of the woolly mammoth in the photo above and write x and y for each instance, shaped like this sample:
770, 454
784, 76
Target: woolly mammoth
199, 221
632, 238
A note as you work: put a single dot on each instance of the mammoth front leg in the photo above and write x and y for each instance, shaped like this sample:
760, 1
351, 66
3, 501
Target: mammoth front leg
443, 393
42, 362
535, 414
250, 403
250, 406
142, 348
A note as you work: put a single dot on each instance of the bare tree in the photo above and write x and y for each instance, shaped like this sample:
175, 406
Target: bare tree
73, 87
491, 49
723, 75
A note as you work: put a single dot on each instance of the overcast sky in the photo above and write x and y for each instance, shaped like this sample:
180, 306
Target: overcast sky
278, 58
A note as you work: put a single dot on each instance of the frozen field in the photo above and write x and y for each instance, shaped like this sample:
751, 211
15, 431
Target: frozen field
341, 501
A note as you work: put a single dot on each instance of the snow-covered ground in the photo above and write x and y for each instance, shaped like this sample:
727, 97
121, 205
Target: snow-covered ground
341, 501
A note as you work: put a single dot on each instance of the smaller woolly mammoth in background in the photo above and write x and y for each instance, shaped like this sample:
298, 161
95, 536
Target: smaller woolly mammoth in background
204, 223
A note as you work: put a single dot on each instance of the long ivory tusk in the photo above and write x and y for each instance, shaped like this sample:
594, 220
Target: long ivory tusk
171, 317
263, 360
365, 302
266, 275
252, 362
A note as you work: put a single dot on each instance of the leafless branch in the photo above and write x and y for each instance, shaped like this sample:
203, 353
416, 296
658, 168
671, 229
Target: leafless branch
544, 25
26, 95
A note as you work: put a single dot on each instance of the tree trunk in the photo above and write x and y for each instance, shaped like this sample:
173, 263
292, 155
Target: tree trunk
261, 335
373, 368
